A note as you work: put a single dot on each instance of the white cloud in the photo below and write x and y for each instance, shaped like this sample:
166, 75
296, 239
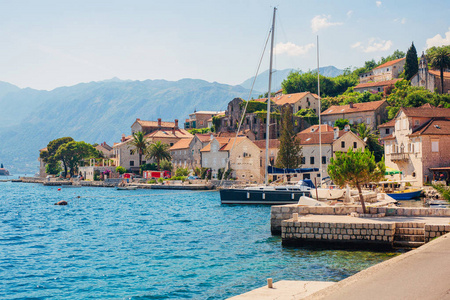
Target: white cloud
438, 40
373, 45
319, 22
378, 3
403, 21
291, 49
349, 13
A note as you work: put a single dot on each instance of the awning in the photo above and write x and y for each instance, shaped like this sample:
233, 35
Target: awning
391, 171
273, 170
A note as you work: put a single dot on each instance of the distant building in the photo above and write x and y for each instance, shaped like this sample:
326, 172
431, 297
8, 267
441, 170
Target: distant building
430, 79
372, 113
201, 119
386, 129
105, 149
419, 143
385, 72
376, 87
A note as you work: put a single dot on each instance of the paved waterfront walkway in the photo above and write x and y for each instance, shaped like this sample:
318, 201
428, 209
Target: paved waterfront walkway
348, 219
423, 273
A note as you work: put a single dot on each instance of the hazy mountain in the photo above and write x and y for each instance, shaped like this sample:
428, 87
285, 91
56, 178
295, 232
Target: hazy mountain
96, 112
262, 80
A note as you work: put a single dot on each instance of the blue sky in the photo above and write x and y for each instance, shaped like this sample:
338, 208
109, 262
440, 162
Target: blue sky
47, 44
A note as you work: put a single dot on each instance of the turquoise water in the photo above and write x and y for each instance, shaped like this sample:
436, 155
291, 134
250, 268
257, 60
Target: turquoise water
147, 244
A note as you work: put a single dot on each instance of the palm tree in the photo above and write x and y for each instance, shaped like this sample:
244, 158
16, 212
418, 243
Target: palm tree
139, 144
371, 139
440, 59
158, 151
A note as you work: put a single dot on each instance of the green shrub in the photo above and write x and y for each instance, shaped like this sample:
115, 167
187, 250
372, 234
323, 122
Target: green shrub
121, 170
160, 180
444, 191
182, 172
151, 181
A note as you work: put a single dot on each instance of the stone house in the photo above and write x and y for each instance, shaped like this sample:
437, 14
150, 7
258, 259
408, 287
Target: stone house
240, 153
42, 169
386, 129
298, 101
376, 87
387, 71
274, 147
430, 79
372, 113
182, 154
105, 149
201, 119
165, 132
332, 139
419, 143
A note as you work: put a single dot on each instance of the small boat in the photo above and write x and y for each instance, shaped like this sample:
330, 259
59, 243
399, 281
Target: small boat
406, 194
126, 188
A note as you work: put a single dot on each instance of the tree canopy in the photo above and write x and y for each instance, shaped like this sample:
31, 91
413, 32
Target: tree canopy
356, 168
138, 144
158, 151
290, 153
439, 58
411, 63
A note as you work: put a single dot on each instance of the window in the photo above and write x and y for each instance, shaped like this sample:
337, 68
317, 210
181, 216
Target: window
434, 145
324, 160
387, 69
416, 122
303, 160
311, 160
171, 144
131, 152
387, 131
131, 163
355, 145
342, 144
368, 121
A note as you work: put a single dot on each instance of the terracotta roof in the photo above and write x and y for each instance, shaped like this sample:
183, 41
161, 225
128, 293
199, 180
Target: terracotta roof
323, 128
206, 112
155, 123
390, 63
178, 133
204, 137
228, 146
312, 138
390, 123
357, 107
438, 73
389, 137
435, 126
273, 143
260, 100
182, 144
232, 134
290, 98
378, 83
43, 149
425, 112
225, 143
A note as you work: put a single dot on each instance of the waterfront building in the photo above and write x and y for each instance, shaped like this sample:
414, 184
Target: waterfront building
419, 143
201, 119
274, 147
244, 159
332, 139
372, 113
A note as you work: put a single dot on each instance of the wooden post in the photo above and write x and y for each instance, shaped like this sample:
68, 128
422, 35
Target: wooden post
269, 283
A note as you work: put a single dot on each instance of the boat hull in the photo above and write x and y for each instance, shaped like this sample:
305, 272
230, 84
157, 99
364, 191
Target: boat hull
271, 197
405, 196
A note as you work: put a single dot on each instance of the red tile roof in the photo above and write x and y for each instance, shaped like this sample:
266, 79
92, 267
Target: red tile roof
225, 143
426, 112
312, 138
378, 83
204, 137
290, 98
182, 144
357, 107
323, 128
436, 126
438, 73
390, 123
178, 133
155, 123
390, 63
273, 143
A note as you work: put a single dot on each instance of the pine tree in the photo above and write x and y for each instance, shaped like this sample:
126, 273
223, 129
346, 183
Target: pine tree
290, 153
411, 64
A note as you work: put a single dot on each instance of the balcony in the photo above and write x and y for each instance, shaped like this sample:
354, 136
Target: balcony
399, 157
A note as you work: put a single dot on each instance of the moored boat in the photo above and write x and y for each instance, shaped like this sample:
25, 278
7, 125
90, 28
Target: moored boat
126, 188
405, 194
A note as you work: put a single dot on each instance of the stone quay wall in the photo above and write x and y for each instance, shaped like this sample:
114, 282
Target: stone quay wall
365, 234
284, 212
433, 231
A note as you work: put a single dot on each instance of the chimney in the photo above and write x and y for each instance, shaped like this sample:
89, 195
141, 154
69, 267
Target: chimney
137, 119
336, 133
123, 137
351, 104
159, 122
347, 127
176, 123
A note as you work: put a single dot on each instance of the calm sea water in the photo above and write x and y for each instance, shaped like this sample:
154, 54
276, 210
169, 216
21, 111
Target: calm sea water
147, 244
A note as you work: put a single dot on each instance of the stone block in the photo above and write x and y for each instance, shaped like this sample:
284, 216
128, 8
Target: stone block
388, 232
324, 236
432, 234
316, 224
335, 236
332, 225
318, 236
359, 226
363, 231
310, 235
307, 230
379, 237
352, 237
349, 231
304, 235
375, 232
381, 232
356, 231
285, 209
327, 230
347, 225
382, 210
346, 237
340, 225
373, 210
330, 236
320, 230
384, 226
434, 228
441, 227
339, 236
385, 238
326, 225
371, 226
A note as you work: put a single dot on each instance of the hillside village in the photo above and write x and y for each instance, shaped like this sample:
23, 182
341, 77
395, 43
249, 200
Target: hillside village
410, 134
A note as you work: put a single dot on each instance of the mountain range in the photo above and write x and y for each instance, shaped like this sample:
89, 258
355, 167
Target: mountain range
101, 111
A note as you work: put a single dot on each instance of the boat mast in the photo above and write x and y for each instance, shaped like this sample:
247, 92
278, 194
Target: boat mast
320, 121
266, 165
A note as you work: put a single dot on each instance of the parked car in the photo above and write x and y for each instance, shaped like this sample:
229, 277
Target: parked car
193, 177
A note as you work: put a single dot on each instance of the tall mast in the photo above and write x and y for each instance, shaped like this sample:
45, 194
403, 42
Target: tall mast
320, 120
266, 181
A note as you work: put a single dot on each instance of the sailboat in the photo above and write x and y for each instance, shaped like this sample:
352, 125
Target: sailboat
289, 194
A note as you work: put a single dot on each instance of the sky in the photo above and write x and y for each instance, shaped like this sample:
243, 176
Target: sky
47, 44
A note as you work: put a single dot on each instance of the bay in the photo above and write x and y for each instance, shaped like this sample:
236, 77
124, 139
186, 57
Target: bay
148, 244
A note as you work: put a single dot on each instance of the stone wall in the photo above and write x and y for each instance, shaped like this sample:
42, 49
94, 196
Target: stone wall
433, 231
284, 212
366, 234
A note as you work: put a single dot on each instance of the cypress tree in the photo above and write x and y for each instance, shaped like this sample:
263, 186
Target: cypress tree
411, 64
289, 155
